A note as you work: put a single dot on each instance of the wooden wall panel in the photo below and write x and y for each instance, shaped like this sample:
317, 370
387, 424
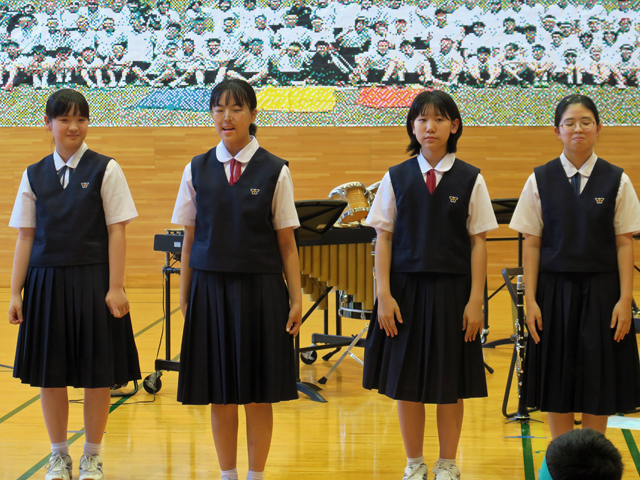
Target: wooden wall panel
321, 158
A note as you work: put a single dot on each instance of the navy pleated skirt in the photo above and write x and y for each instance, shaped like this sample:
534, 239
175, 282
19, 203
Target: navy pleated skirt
68, 336
428, 361
235, 349
577, 366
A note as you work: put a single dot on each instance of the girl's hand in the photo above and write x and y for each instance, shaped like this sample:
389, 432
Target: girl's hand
622, 316
388, 312
472, 320
15, 310
117, 302
295, 319
534, 318
183, 308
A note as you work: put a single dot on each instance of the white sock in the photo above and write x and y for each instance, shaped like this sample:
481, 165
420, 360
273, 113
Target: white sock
62, 447
230, 474
414, 461
92, 448
255, 475
450, 461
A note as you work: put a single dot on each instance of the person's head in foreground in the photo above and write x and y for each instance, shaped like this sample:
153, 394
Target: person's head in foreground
582, 454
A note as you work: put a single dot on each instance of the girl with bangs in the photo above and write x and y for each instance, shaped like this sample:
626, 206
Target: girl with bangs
67, 290
236, 205
578, 214
431, 213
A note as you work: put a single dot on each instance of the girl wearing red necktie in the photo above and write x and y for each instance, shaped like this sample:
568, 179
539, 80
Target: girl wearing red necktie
236, 205
431, 213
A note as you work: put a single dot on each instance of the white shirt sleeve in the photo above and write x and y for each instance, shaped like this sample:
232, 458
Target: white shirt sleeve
283, 207
24, 209
527, 217
382, 215
184, 212
627, 214
481, 215
117, 201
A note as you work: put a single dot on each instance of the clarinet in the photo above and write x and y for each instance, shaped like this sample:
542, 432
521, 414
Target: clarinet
523, 411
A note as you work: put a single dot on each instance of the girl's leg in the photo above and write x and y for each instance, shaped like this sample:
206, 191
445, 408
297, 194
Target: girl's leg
96, 413
224, 425
411, 417
55, 410
596, 422
450, 417
259, 431
560, 423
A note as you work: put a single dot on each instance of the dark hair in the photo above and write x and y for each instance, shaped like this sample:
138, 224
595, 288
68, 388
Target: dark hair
66, 101
584, 454
573, 100
442, 104
240, 92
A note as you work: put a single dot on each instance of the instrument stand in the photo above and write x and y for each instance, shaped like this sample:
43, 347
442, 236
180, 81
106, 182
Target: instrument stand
116, 390
519, 351
310, 389
152, 382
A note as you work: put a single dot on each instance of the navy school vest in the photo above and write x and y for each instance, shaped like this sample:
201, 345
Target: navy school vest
578, 233
430, 233
233, 231
70, 223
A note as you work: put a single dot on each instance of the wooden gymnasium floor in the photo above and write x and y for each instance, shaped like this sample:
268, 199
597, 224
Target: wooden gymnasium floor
353, 436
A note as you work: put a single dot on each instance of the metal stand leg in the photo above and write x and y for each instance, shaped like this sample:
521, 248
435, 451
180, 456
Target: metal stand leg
356, 339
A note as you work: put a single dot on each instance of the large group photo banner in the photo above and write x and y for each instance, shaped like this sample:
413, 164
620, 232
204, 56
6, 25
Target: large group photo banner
319, 62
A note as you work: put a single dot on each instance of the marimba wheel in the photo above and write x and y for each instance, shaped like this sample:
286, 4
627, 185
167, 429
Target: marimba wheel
309, 357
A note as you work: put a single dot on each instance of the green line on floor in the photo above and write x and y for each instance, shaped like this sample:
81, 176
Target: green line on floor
633, 448
20, 408
527, 453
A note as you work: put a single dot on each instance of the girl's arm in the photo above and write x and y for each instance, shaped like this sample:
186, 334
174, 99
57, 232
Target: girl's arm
473, 319
388, 310
19, 274
116, 299
622, 311
532, 245
291, 262
186, 272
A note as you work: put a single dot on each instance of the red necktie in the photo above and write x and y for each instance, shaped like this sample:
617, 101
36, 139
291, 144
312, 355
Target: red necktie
235, 171
431, 180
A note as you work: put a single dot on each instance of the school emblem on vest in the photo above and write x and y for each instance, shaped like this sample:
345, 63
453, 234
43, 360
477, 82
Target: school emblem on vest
599, 200
453, 199
84, 184
254, 191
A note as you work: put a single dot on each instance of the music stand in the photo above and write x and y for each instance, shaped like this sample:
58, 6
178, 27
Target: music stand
316, 218
503, 209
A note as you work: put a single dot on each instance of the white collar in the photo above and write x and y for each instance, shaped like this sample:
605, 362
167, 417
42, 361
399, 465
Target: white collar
443, 165
73, 161
243, 155
585, 170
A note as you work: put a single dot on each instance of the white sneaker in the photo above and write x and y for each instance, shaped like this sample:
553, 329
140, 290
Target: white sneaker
446, 471
91, 467
58, 467
416, 472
